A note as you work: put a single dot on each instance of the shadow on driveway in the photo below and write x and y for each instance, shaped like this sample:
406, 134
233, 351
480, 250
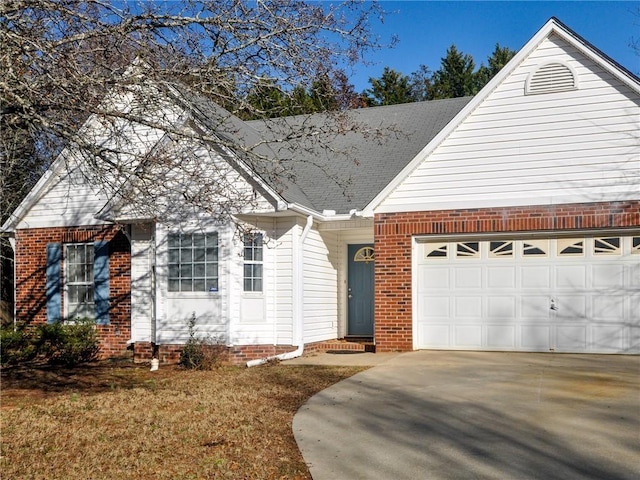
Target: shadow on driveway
450, 415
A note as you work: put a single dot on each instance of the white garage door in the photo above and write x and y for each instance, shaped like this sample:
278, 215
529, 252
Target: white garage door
563, 295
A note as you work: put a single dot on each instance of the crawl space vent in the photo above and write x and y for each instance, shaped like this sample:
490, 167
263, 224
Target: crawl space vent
551, 78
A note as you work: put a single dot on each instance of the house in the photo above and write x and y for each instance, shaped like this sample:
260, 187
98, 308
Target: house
508, 221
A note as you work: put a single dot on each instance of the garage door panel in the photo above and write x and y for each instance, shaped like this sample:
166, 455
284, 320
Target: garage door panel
535, 277
501, 337
566, 295
501, 277
434, 308
571, 306
434, 335
467, 306
608, 307
634, 337
501, 307
571, 338
468, 277
535, 338
571, 276
433, 278
607, 275
608, 338
634, 273
534, 306
468, 336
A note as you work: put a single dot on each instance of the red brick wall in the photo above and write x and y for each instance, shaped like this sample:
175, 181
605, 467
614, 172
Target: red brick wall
393, 238
31, 260
237, 355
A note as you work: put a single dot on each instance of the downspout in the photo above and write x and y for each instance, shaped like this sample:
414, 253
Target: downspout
155, 361
299, 297
12, 242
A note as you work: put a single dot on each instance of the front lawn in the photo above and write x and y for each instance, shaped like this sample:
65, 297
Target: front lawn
121, 421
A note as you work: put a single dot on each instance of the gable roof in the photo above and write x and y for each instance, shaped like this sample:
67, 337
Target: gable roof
552, 27
358, 163
354, 169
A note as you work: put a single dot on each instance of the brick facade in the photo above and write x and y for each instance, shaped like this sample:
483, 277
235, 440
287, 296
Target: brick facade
236, 355
31, 260
394, 232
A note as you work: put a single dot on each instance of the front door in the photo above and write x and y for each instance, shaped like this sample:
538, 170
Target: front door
360, 290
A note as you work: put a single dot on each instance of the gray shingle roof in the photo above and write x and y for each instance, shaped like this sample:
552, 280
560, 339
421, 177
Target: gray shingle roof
358, 164
330, 161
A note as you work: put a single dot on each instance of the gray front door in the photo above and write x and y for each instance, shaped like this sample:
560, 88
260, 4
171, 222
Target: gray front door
360, 290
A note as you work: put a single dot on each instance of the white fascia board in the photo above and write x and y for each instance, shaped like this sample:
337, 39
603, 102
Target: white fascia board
306, 211
594, 54
552, 26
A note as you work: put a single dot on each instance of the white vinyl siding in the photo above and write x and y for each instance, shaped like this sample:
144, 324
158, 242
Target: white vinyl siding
320, 286
141, 282
516, 149
65, 202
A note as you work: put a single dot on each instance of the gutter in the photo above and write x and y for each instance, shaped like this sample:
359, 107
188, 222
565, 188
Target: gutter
299, 297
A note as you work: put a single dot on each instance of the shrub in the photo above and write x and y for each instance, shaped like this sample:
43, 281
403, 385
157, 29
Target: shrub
16, 346
68, 344
200, 353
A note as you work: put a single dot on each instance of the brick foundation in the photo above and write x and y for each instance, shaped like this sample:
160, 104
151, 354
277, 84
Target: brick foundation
394, 232
31, 260
143, 352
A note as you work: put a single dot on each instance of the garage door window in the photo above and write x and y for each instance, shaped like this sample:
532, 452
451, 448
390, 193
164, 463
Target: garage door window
570, 247
468, 249
635, 246
535, 248
607, 246
436, 250
500, 249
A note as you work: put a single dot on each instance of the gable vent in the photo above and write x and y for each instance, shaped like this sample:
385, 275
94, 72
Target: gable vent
550, 78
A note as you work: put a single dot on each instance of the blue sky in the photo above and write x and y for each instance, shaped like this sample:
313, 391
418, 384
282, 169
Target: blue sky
426, 29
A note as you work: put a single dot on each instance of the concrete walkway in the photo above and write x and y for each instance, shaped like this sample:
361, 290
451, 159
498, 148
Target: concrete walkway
459, 415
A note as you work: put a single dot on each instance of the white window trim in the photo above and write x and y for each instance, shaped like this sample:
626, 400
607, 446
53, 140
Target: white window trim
67, 283
246, 262
193, 293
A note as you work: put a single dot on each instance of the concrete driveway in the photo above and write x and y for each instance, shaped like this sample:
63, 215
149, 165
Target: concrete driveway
459, 415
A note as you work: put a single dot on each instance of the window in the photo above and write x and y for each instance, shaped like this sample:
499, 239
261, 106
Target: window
570, 247
606, 246
499, 249
535, 248
253, 262
78, 266
193, 262
435, 250
468, 249
365, 254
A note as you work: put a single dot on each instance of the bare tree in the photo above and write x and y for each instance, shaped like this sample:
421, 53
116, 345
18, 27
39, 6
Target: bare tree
141, 72
60, 58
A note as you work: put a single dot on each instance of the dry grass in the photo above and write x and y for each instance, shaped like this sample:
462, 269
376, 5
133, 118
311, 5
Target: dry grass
112, 422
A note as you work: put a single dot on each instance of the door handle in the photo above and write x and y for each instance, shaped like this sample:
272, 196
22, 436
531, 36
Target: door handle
350, 296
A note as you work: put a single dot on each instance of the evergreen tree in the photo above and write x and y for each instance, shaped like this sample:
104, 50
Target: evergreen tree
455, 78
498, 59
390, 89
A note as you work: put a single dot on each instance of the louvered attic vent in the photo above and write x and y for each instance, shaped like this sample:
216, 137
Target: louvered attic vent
551, 78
